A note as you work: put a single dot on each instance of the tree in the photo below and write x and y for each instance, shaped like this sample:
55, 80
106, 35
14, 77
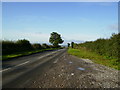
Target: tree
68, 44
45, 46
55, 39
36, 46
72, 44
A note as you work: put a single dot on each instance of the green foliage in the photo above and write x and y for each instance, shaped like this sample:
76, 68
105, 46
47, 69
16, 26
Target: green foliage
9, 47
24, 45
55, 39
68, 44
84, 53
36, 46
44, 45
107, 47
20, 46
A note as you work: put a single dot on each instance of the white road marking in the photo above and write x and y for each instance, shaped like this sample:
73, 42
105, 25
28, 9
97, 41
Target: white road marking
5, 69
22, 63
55, 61
27, 62
44, 56
53, 52
14, 66
47, 55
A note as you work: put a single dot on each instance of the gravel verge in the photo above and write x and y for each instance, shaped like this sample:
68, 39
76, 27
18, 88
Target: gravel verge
71, 72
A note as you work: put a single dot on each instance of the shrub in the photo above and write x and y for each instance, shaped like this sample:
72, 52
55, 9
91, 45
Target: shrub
36, 46
108, 47
45, 46
10, 47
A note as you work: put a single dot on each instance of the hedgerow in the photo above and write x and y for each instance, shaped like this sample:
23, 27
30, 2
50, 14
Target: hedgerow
106, 47
12, 47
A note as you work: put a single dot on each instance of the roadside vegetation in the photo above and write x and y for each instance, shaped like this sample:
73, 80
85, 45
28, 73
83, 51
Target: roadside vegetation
11, 49
102, 51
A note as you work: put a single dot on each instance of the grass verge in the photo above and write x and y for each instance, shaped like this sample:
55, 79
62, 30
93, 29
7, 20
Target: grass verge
18, 54
82, 53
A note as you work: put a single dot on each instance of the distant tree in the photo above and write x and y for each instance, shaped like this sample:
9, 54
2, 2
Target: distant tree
36, 46
68, 44
55, 39
44, 45
51, 46
72, 44
23, 42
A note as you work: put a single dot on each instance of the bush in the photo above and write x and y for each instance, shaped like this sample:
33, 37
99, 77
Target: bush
10, 47
36, 46
24, 45
107, 47
45, 46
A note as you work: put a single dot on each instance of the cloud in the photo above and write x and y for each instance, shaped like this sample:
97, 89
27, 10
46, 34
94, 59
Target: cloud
36, 37
113, 27
79, 37
40, 37
75, 41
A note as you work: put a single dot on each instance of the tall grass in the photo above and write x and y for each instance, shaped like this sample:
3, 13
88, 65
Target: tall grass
107, 47
83, 53
103, 51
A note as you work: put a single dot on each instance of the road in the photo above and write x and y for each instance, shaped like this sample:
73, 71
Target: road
57, 69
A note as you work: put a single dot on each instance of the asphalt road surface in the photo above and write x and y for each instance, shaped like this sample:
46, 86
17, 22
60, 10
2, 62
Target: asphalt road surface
57, 69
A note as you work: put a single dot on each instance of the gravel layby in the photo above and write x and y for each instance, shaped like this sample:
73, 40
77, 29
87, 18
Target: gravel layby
71, 72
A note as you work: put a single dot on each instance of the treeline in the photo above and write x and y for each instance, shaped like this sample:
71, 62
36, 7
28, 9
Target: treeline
106, 47
11, 47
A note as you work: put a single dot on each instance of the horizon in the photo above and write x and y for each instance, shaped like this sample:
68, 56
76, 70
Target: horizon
75, 21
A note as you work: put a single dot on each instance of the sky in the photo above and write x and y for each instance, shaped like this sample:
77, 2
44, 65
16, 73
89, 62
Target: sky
60, 0
75, 21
